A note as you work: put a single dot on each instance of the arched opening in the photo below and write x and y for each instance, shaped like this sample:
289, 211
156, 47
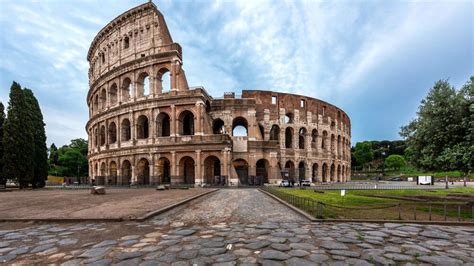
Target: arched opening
344, 148
314, 175
289, 138
186, 123
142, 127
242, 169
239, 127
96, 103
343, 174
143, 174
262, 172
113, 93
301, 171
103, 174
163, 79
163, 171
112, 133
301, 138
325, 173
126, 90
314, 138
96, 137
338, 148
126, 43
103, 99
333, 173
126, 173
163, 127
275, 133
143, 85
262, 131
218, 126
289, 118
186, 167
339, 173
208, 106
212, 171
290, 168
333, 125
112, 178
126, 130
333, 144
102, 135
323, 141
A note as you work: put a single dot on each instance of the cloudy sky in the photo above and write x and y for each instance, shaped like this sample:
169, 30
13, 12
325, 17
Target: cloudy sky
374, 59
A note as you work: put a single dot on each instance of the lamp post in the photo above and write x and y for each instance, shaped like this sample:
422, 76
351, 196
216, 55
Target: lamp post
383, 163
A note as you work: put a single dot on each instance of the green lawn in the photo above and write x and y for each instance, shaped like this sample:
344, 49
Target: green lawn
355, 201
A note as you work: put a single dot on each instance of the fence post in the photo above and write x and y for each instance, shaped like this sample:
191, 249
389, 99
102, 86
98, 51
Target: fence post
459, 213
445, 211
430, 212
399, 212
414, 213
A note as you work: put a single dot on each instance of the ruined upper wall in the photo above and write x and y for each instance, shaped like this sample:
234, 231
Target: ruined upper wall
137, 33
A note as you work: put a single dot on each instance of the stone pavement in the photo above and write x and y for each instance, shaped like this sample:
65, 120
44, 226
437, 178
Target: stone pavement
246, 228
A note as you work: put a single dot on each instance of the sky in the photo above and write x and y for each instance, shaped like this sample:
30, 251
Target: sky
374, 59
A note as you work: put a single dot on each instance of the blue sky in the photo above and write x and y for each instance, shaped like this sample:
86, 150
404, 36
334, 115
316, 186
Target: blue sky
374, 59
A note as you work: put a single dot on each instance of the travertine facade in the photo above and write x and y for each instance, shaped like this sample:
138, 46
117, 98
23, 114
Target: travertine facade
143, 132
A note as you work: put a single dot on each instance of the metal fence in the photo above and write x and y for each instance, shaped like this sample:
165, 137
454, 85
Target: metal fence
420, 211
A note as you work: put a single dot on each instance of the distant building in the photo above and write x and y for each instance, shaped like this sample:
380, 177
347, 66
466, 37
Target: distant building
141, 132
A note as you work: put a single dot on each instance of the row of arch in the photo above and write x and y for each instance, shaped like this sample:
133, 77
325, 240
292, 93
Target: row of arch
126, 89
329, 172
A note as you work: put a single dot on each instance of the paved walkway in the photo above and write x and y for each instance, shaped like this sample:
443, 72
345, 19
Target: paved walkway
232, 227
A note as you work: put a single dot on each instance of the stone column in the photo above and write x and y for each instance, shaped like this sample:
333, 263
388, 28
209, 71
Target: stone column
173, 121
173, 166
134, 177
307, 140
198, 130
197, 169
132, 127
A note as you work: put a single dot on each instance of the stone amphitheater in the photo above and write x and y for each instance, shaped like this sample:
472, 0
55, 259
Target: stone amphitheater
148, 127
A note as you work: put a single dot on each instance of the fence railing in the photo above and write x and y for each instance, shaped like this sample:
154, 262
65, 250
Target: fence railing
420, 211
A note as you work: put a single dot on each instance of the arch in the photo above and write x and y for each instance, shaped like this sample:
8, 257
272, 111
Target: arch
263, 167
301, 171
275, 133
218, 126
102, 135
289, 138
325, 173
186, 169
333, 173
126, 42
126, 173
113, 94
262, 130
112, 178
186, 123
126, 130
333, 144
343, 173
143, 85
338, 147
242, 169
301, 138
126, 90
96, 137
112, 132
142, 127
163, 170
239, 127
96, 103
143, 172
164, 80
290, 167
208, 106
315, 172
103, 170
333, 125
323, 141
314, 138
103, 99
289, 118
212, 171
163, 125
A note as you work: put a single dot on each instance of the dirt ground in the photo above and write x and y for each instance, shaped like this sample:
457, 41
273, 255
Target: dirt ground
116, 203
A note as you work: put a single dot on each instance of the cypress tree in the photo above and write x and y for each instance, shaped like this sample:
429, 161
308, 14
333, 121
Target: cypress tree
40, 163
3, 180
18, 139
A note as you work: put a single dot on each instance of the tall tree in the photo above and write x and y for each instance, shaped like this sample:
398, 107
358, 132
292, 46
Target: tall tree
53, 155
3, 179
440, 137
40, 163
363, 153
18, 138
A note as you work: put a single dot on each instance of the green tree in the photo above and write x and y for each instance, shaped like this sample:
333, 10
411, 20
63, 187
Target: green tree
395, 161
18, 139
363, 153
441, 136
53, 155
40, 163
72, 159
3, 179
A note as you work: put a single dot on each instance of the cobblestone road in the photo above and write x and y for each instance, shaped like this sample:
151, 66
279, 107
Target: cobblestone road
232, 227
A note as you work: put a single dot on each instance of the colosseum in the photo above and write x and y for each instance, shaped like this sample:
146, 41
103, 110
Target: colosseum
148, 127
